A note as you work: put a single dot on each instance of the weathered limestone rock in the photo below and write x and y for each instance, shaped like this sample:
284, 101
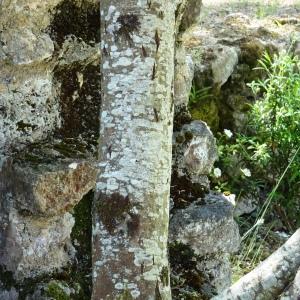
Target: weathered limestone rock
22, 46
218, 269
216, 65
184, 74
207, 227
224, 64
36, 246
194, 153
245, 205
37, 44
201, 152
35, 201
32, 14
74, 50
203, 235
47, 190
26, 121
225, 53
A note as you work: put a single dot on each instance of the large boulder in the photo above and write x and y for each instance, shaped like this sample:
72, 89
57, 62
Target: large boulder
206, 226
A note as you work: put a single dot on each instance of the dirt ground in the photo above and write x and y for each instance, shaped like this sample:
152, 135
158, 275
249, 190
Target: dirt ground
252, 8
262, 2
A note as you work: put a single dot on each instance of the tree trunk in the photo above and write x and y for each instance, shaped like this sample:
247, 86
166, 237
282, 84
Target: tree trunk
293, 291
131, 206
269, 279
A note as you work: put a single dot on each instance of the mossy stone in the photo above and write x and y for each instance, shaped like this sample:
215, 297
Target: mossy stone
56, 291
207, 111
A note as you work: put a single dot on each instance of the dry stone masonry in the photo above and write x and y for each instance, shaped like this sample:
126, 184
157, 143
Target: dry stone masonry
49, 107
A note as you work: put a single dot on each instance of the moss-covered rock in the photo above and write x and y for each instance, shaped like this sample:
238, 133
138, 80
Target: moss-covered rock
58, 290
81, 237
207, 110
251, 51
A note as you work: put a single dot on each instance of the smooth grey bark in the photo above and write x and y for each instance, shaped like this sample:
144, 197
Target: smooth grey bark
269, 279
131, 206
293, 291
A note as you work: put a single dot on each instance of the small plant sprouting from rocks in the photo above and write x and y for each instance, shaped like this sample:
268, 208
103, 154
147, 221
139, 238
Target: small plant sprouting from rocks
196, 95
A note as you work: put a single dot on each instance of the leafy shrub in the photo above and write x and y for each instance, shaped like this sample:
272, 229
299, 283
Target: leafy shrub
271, 145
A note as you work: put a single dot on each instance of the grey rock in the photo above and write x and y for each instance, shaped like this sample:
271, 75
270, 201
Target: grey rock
245, 205
184, 74
24, 13
198, 153
11, 294
218, 269
38, 294
224, 64
42, 81
207, 228
22, 46
46, 189
35, 223
74, 50
30, 104
217, 64
36, 246
27, 121
230, 47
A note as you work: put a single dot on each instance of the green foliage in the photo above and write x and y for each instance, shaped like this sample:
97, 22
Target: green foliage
276, 122
276, 116
203, 106
264, 10
56, 290
196, 95
270, 146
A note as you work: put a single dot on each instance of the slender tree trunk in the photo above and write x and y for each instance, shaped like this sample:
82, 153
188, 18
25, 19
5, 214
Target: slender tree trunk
131, 206
270, 278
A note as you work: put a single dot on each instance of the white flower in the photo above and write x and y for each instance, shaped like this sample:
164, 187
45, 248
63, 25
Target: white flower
246, 172
228, 133
73, 165
260, 222
217, 172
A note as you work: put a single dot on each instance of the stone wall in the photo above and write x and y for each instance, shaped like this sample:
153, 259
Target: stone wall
49, 107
